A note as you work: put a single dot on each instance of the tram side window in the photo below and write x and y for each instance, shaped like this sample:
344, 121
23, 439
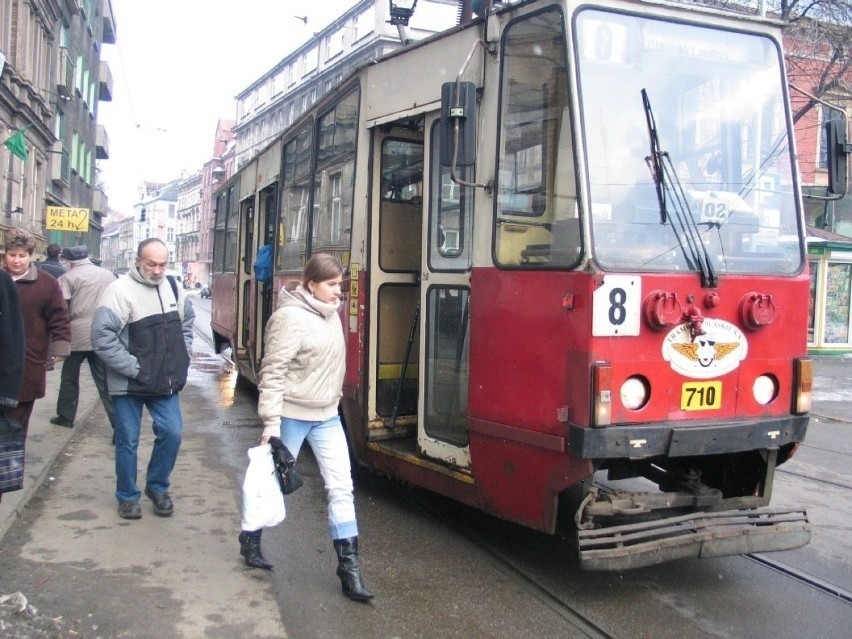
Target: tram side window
450, 211
295, 200
230, 264
537, 219
225, 233
334, 182
219, 232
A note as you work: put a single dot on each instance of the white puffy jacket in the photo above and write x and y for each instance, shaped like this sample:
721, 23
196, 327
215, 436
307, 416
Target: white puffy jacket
301, 375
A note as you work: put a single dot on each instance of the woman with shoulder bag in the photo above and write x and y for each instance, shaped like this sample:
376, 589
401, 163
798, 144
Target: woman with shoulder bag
301, 382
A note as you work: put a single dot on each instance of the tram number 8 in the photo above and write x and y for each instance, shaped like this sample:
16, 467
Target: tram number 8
617, 311
701, 396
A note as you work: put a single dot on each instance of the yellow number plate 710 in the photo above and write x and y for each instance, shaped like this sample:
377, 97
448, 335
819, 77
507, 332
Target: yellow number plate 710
701, 396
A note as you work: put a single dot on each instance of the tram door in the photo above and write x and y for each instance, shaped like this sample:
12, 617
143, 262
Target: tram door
245, 308
418, 354
264, 291
445, 307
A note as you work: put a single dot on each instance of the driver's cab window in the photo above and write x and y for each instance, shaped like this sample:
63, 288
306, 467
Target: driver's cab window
537, 218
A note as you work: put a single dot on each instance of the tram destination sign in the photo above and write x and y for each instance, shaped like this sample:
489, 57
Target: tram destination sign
66, 218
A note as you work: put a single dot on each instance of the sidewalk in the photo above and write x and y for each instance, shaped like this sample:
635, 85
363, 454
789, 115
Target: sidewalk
45, 442
76, 560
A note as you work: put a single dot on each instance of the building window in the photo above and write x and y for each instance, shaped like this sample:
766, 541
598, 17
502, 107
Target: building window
826, 115
311, 60
364, 23
334, 44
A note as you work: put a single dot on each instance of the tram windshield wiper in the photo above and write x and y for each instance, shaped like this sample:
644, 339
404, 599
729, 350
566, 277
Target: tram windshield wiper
671, 198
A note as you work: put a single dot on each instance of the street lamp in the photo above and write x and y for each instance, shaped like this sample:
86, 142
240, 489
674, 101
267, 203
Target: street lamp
401, 11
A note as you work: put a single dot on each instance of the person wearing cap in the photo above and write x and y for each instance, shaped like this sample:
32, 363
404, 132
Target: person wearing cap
82, 287
52, 264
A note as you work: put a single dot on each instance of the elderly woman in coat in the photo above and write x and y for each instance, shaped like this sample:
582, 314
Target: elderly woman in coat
47, 326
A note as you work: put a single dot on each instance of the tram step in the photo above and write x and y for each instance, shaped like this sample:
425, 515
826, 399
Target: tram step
696, 535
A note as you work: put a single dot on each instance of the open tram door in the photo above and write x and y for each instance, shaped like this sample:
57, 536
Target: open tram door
419, 284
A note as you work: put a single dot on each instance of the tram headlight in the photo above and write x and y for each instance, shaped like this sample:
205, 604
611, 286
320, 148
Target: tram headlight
634, 392
765, 389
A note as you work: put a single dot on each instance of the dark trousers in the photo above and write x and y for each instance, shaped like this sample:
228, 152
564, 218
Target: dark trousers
69, 386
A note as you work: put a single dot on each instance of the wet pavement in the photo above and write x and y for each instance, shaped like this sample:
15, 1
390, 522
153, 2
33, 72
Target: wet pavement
90, 573
63, 545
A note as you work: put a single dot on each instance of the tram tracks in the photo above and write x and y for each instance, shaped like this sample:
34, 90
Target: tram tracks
518, 575
802, 577
812, 478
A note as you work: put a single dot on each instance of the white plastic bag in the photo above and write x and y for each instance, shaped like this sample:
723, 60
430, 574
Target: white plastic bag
263, 502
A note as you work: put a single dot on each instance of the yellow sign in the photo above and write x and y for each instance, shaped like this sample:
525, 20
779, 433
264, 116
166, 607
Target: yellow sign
701, 395
65, 218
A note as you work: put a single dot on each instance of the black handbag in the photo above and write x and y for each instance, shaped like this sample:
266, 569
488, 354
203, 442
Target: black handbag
285, 466
11, 454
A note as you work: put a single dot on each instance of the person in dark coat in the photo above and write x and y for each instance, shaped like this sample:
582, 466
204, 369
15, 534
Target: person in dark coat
11, 342
47, 326
11, 345
52, 264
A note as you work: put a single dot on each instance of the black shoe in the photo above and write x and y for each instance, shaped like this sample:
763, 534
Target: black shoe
59, 420
163, 505
129, 509
349, 570
250, 549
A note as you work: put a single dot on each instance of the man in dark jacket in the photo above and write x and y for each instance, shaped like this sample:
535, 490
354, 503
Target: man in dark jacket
142, 330
52, 264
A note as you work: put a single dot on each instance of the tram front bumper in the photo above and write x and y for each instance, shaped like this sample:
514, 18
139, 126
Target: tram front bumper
685, 438
696, 535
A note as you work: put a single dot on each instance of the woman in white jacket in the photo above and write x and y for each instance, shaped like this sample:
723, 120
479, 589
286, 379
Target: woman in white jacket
301, 382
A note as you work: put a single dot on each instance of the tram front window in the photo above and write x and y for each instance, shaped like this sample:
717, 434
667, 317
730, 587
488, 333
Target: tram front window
717, 100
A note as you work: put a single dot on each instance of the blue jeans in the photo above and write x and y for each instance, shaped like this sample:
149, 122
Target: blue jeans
168, 424
328, 442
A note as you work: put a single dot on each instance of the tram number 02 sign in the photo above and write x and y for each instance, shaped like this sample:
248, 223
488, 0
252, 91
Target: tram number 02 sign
615, 306
65, 218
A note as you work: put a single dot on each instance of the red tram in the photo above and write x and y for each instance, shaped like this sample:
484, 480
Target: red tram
576, 279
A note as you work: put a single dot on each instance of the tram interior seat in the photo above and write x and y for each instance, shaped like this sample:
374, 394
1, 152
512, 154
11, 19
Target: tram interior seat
564, 247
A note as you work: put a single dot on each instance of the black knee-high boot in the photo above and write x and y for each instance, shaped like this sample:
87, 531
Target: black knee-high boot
250, 549
349, 570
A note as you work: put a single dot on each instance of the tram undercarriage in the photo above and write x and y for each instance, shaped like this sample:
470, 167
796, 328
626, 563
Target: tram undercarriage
636, 514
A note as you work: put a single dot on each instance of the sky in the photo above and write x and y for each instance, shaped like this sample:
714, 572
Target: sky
176, 67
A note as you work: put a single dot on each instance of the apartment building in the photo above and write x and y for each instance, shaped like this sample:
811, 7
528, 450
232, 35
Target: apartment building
187, 228
362, 33
52, 79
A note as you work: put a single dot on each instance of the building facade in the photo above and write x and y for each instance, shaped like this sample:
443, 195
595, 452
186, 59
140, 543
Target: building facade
51, 81
829, 218
363, 33
187, 231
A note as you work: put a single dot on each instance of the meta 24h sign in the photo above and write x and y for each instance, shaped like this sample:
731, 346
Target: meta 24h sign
65, 218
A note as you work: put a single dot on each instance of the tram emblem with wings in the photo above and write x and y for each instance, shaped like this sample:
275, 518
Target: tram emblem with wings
718, 351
